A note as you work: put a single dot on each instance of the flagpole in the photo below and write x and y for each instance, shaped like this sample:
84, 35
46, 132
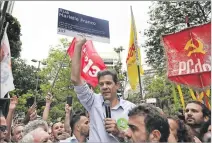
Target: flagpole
61, 64
136, 51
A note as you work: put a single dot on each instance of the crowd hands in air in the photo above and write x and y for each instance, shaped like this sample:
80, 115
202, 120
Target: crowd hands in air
128, 122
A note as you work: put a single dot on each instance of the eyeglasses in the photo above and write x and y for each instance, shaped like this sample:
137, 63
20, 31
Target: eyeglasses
3, 128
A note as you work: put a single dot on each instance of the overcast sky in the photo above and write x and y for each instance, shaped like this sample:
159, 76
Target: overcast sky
38, 21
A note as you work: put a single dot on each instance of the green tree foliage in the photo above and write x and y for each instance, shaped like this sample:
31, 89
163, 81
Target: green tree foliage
169, 17
23, 105
159, 87
13, 33
63, 86
24, 76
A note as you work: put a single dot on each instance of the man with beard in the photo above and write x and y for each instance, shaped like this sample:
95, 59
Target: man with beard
80, 127
17, 132
146, 124
102, 129
196, 114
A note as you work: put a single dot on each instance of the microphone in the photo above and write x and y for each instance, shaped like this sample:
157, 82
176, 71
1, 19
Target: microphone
108, 115
107, 109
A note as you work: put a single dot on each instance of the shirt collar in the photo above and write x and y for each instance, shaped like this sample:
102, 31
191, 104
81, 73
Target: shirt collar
120, 104
73, 139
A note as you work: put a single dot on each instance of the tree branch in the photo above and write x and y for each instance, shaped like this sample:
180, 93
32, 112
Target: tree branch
208, 13
202, 10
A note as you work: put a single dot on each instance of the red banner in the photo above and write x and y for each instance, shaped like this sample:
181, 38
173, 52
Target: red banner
91, 62
189, 56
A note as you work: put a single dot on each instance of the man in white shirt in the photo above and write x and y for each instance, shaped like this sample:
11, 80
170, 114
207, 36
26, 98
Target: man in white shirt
102, 129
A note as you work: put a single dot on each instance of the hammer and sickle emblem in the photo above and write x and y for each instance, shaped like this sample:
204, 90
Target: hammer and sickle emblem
195, 49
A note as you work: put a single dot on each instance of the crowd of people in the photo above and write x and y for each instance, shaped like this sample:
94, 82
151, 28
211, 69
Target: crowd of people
128, 122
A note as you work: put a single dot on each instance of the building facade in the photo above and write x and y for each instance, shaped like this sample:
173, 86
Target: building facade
9, 7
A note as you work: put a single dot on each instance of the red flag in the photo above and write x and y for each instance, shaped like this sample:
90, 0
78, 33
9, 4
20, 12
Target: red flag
91, 62
189, 56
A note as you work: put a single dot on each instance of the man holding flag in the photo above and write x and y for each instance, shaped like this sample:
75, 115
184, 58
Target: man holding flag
102, 129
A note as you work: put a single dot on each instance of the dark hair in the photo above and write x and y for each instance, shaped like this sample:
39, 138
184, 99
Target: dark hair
205, 111
181, 115
75, 118
183, 134
108, 72
153, 120
204, 128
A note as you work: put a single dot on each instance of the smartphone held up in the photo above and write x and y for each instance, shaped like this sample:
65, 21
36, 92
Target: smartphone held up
69, 100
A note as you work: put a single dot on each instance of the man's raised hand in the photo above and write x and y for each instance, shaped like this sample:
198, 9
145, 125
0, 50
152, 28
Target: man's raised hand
80, 42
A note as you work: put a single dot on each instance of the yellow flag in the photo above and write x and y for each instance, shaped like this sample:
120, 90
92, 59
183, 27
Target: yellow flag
208, 92
181, 96
201, 97
192, 94
133, 57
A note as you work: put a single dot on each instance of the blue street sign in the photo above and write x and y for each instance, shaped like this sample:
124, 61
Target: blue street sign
77, 25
